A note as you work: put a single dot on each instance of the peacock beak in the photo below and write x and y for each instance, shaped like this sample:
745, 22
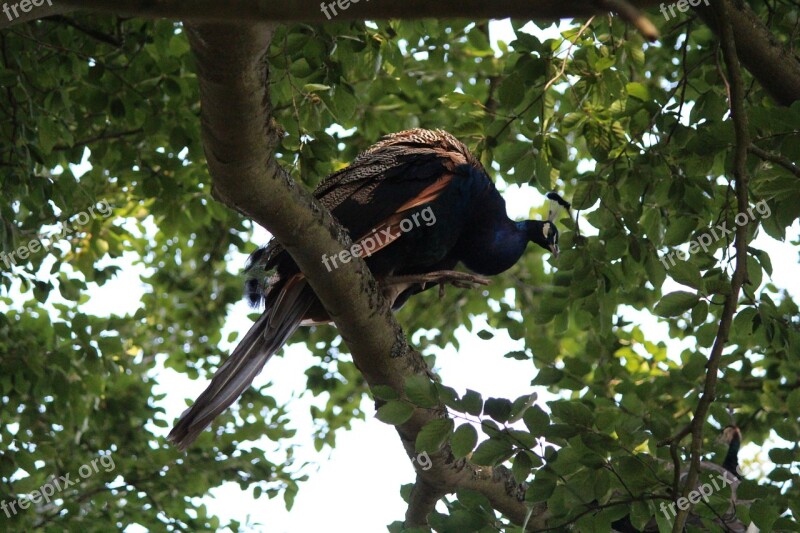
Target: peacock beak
554, 249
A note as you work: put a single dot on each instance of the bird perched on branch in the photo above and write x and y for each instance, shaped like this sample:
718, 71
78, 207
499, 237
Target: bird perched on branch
732, 436
415, 204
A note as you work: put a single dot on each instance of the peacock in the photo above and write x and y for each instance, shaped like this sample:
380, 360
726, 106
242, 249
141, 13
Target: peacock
416, 204
732, 436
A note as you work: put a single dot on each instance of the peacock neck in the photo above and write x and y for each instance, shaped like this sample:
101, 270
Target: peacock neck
496, 245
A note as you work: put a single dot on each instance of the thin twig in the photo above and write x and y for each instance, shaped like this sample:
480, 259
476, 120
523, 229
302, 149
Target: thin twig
566, 56
778, 159
91, 32
550, 82
684, 81
101, 137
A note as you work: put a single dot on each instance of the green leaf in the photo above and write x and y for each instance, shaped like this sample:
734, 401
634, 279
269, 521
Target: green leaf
491, 451
463, 441
497, 408
536, 420
675, 303
651, 222
764, 513
313, 87
472, 402
679, 230
686, 273
301, 68
781, 456
793, 403
718, 286
656, 272
699, 313
540, 489
433, 435
637, 90
421, 391
522, 466
384, 392
572, 412
558, 148
395, 412
548, 376
512, 90
604, 62
448, 396
640, 515
587, 193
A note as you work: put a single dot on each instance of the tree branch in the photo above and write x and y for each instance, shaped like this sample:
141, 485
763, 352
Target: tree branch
633, 15
778, 159
769, 61
310, 10
741, 127
100, 137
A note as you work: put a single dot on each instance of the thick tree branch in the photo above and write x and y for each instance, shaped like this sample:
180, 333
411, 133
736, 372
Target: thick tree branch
311, 11
239, 140
742, 130
769, 61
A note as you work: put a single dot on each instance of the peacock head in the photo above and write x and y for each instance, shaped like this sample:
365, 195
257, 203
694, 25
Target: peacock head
550, 232
545, 233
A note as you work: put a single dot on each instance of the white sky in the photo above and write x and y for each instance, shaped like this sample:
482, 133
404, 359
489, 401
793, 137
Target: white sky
369, 465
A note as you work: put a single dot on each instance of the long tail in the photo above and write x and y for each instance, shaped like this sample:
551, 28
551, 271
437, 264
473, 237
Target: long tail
265, 337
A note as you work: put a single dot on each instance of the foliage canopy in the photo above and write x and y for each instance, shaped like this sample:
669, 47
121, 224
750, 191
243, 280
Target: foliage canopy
637, 135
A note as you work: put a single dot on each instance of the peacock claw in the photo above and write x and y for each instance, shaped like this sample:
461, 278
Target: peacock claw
461, 280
